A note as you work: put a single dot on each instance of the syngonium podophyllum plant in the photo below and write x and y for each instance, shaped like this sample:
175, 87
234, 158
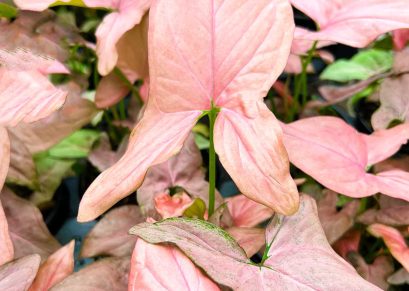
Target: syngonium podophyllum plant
215, 59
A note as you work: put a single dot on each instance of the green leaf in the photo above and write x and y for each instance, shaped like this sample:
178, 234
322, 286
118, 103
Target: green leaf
7, 11
196, 210
77, 145
201, 142
78, 3
51, 172
362, 66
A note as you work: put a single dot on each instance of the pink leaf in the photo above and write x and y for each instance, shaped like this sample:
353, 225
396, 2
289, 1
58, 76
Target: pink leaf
336, 223
294, 242
394, 241
148, 275
246, 212
110, 235
183, 170
400, 38
354, 23
111, 89
55, 269
349, 242
172, 206
18, 275
376, 273
6, 245
43, 134
337, 156
152, 142
104, 275
250, 239
251, 150
36, 5
28, 231
27, 96
394, 212
4, 155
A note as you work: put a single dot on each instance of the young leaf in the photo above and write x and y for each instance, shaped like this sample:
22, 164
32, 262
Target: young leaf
298, 258
55, 269
196, 210
19, 274
105, 275
362, 66
110, 235
155, 277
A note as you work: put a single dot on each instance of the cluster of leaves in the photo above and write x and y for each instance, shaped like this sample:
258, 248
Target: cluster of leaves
138, 88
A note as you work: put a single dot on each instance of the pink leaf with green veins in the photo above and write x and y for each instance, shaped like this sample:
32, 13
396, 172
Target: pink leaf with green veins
154, 276
56, 268
298, 257
354, 22
110, 236
394, 241
246, 212
337, 156
228, 53
19, 274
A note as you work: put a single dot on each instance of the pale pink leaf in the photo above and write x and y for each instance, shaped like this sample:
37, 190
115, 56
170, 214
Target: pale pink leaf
4, 155
377, 273
28, 231
246, 212
250, 239
43, 134
336, 155
336, 223
212, 58
394, 241
252, 152
27, 96
354, 23
104, 275
18, 275
110, 235
399, 277
113, 27
6, 245
152, 142
56, 268
148, 275
295, 242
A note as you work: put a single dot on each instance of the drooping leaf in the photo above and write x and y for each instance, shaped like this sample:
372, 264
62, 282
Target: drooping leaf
394, 241
109, 274
294, 242
110, 235
19, 274
28, 231
362, 66
354, 23
155, 277
55, 269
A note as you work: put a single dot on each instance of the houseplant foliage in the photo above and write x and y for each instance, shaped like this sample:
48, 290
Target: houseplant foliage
150, 103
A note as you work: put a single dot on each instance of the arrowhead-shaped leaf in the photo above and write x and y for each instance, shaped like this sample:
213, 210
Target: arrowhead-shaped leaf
294, 242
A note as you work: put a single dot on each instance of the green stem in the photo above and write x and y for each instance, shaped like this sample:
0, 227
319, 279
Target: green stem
122, 110
212, 161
